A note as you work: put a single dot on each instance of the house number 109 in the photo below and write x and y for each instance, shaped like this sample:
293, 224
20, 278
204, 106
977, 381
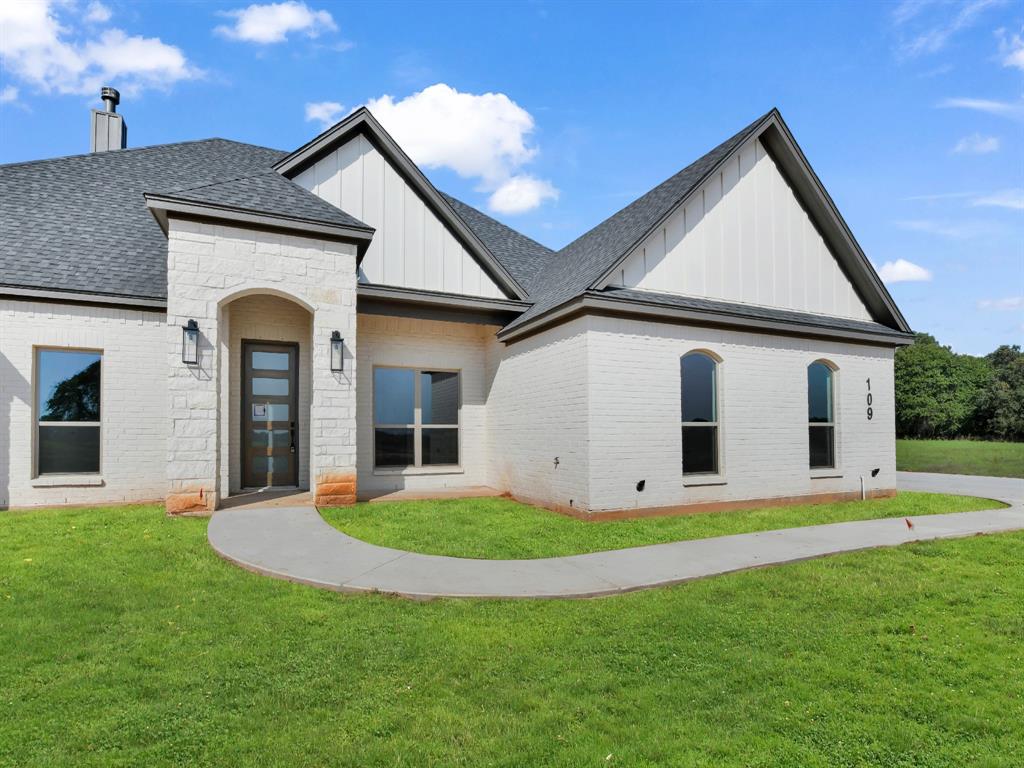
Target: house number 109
870, 412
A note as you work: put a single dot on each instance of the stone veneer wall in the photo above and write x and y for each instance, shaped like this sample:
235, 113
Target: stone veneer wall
209, 265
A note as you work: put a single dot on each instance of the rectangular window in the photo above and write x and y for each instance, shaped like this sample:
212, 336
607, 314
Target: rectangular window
415, 418
68, 411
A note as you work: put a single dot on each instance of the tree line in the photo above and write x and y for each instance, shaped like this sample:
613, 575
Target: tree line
942, 394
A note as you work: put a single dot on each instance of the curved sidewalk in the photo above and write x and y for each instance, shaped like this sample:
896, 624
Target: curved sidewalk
295, 543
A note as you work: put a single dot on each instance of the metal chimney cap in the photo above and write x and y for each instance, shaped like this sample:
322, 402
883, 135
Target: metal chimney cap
111, 98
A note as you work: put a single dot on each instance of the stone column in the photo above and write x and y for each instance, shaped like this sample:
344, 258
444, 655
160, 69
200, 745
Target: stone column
193, 437
333, 413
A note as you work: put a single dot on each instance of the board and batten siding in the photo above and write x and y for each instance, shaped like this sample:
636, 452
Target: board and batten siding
744, 236
412, 247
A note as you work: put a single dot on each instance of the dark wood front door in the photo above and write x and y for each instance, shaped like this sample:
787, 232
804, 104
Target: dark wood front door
270, 435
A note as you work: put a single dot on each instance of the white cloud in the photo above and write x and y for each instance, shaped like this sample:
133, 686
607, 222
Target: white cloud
903, 271
1007, 198
1014, 111
1011, 49
520, 194
8, 94
39, 47
976, 144
97, 13
325, 112
933, 37
933, 228
483, 136
272, 23
1009, 304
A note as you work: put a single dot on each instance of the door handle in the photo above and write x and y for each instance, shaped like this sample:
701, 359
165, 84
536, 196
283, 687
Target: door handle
291, 434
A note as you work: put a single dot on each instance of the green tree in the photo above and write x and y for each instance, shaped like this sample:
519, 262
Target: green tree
938, 393
76, 398
1005, 402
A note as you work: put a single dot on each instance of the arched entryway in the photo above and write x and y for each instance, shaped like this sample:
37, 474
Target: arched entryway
266, 352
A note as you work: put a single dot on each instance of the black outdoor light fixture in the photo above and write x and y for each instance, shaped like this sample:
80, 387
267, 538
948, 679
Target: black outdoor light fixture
337, 352
190, 343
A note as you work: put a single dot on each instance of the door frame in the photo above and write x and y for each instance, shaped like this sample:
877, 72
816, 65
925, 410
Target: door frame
245, 398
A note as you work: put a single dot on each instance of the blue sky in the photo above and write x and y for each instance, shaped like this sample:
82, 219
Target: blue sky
912, 113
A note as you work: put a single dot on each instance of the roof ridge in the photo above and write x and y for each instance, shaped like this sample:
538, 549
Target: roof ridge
219, 182
133, 151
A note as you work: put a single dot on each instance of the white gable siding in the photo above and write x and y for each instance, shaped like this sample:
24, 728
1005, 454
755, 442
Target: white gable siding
412, 247
744, 236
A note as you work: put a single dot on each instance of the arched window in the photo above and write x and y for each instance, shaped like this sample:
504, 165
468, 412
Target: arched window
821, 427
699, 375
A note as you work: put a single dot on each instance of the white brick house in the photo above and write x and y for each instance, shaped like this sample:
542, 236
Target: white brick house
187, 321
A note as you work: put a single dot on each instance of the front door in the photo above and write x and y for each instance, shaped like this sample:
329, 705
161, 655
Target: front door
270, 384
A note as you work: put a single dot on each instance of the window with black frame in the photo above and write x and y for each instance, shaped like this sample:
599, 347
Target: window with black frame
699, 402
821, 427
68, 411
415, 418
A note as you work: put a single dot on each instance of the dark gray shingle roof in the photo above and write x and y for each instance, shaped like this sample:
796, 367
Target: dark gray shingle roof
81, 224
267, 192
571, 271
520, 255
751, 311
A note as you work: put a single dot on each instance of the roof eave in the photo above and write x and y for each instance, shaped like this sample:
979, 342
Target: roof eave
362, 119
161, 206
590, 303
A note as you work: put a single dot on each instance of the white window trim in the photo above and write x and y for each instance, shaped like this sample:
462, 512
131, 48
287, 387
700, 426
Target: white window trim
417, 427
57, 479
718, 477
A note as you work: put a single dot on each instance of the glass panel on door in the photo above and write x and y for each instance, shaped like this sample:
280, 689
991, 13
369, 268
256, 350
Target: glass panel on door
269, 409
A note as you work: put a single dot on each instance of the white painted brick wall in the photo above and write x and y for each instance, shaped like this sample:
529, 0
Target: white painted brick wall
133, 399
209, 265
538, 410
634, 391
405, 342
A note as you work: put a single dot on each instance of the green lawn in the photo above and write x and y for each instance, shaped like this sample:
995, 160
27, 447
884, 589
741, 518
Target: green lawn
501, 528
126, 641
963, 457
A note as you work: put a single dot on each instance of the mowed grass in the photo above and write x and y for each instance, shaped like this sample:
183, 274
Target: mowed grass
501, 528
961, 457
126, 641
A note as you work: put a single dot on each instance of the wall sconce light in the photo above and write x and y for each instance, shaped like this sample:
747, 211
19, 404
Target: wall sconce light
190, 343
337, 352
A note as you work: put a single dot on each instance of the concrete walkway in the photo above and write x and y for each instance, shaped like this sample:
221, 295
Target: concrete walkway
295, 543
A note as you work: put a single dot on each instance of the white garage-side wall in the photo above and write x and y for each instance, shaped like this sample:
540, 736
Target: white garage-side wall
634, 392
429, 345
133, 402
538, 411
744, 236
412, 247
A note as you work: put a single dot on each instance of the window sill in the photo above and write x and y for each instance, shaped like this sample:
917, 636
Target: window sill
60, 481
408, 471
826, 474
697, 481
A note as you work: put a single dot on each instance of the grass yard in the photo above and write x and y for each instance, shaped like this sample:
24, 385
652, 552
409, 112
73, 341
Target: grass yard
502, 528
961, 457
126, 641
